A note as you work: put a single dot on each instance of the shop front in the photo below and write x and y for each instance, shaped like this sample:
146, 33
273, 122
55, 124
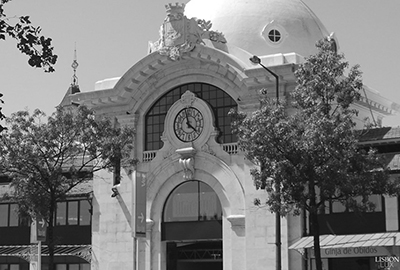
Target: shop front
358, 251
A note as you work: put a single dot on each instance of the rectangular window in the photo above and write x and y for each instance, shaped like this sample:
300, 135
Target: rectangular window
73, 267
61, 267
338, 207
3, 216
84, 213
85, 266
73, 213
9, 267
61, 213
13, 215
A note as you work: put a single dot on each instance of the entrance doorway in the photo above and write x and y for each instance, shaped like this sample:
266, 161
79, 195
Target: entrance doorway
192, 228
194, 255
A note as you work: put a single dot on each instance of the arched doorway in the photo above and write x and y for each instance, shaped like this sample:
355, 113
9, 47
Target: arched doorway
192, 228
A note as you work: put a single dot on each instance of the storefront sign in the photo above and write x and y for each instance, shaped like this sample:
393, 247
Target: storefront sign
38, 229
352, 252
139, 207
387, 262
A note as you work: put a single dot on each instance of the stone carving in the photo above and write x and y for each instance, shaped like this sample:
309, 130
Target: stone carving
207, 149
187, 162
188, 167
188, 98
179, 35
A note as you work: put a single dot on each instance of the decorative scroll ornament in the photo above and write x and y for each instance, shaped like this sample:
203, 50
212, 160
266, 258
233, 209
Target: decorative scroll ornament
188, 167
179, 35
207, 149
187, 162
188, 98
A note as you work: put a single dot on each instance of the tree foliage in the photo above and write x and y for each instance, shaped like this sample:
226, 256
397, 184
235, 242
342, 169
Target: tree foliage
29, 41
46, 158
310, 157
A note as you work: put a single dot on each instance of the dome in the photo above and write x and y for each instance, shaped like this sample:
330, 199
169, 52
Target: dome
262, 27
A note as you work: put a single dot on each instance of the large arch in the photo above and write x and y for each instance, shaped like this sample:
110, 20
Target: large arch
156, 74
165, 177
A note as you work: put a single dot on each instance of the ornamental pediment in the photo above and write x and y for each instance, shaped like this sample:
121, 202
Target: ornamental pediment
179, 35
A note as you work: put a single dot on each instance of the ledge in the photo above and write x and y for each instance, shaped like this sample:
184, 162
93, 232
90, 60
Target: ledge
236, 220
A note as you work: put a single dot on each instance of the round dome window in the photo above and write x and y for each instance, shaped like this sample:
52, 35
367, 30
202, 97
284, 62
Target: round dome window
274, 35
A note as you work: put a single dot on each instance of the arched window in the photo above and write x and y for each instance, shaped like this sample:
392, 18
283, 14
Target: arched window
192, 201
192, 212
219, 101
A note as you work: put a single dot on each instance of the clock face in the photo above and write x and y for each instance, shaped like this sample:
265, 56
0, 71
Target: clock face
188, 124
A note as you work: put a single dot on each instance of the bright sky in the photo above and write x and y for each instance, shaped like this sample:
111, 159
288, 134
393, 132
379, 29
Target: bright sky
111, 36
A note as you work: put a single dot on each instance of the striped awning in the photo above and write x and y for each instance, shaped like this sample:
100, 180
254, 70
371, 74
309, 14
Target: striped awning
26, 251
385, 239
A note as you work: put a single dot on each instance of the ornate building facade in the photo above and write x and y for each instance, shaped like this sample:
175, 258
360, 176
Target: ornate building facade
188, 204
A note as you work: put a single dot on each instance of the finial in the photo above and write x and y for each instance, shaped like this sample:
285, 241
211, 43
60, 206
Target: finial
74, 84
175, 8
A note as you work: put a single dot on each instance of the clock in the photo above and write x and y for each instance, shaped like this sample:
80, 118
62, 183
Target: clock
188, 124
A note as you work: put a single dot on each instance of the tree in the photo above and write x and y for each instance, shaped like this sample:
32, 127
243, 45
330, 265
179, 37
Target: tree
46, 159
310, 157
29, 41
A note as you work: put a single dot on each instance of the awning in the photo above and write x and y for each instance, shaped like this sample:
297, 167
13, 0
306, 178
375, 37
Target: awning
20, 251
25, 251
385, 239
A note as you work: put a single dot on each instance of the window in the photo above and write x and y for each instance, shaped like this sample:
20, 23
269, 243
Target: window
338, 207
219, 101
3, 215
61, 213
13, 218
9, 267
73, 213
84, 213
73, 266
274, 35
192, 201
9, 216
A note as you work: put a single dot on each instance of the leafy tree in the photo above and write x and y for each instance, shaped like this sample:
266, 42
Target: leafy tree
46, 159
310, 156
29, 41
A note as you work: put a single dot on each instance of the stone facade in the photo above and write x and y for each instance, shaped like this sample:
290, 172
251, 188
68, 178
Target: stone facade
248, 232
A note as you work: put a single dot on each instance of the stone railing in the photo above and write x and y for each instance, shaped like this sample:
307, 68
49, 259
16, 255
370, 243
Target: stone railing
149, 155
231, 148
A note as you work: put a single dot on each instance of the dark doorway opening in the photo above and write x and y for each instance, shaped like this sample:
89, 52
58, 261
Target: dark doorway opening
194, 255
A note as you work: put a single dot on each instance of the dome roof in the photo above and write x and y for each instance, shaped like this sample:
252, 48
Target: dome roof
262, 27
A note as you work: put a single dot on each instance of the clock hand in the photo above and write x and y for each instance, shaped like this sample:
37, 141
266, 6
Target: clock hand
190, 125
187, 120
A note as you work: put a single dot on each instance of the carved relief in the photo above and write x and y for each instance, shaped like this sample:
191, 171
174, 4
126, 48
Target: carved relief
188, 98
178, 34
188, 167
206, 148
187, 162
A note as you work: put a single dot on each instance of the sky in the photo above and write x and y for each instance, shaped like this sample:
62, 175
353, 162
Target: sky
111, 36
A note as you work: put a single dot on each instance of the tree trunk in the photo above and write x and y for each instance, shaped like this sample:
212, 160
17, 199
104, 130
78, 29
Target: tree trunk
317, 247
50, 240
315, 226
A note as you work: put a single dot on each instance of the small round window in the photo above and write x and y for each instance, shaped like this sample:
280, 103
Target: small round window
274, 35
